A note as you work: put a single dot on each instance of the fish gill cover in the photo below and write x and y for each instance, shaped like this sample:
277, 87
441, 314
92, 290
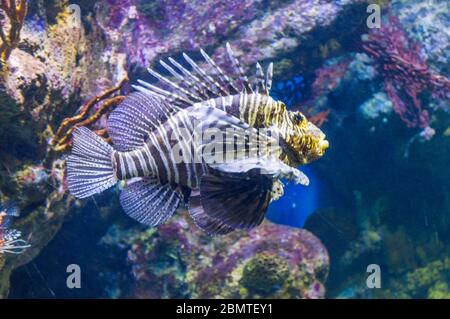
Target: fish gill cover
381, 190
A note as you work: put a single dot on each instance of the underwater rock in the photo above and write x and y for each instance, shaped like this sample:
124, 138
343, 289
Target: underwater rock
177, 260
428, 24
44, 79
429, 281
377, 106
146, 32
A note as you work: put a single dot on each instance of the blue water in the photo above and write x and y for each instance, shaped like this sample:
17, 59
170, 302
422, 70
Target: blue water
298, 202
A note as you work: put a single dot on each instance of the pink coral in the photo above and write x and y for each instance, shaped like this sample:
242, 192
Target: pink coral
329, 77
406, 74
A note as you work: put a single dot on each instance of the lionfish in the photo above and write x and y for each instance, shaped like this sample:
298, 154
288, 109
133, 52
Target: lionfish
10, 239
153, 126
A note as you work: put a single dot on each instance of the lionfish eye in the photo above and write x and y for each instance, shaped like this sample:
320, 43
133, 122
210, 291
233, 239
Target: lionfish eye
299, 117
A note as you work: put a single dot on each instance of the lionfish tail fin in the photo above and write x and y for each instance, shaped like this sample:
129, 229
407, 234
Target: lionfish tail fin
89, 167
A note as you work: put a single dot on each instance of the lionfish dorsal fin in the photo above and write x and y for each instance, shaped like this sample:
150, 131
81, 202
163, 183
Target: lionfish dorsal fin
222, 76
181, 94
187, 85
139, 114
205, 77
242, 77
193, 94
171, 97
193, 83
269, 76
260, 83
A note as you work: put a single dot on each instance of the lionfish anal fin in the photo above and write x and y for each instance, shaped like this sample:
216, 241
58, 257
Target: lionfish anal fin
149, 202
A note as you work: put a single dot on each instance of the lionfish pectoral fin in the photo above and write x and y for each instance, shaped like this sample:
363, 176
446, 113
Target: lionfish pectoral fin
210, 225
149, 202
89, 167
139, 114
238, 200
266, 165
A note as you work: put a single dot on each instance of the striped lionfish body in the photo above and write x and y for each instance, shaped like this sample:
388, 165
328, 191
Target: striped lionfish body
157, 150
159, 154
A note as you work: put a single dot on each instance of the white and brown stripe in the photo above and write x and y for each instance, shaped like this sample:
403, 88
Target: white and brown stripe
158, 157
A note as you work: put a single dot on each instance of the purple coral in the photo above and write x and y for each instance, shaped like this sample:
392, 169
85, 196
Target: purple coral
406, 74
306, 257
145, 29
179, 260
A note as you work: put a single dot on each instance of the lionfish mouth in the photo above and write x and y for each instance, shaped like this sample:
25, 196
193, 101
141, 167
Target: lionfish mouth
296, 158
323, 146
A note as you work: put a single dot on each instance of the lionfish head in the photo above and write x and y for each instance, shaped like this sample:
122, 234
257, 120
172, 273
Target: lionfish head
306, 142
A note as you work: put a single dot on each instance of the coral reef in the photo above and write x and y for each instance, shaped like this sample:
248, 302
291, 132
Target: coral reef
328, 77
178, 260
147, 32
62, 63
50, 72
430, 281
427, 23
389, 189
406, 74
10, 33
380, 213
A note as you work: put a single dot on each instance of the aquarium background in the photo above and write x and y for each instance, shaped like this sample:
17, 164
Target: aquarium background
380, 195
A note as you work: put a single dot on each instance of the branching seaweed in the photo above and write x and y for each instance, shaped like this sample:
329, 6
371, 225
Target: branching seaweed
15, 11
62, 140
